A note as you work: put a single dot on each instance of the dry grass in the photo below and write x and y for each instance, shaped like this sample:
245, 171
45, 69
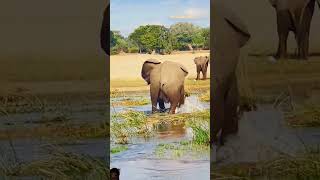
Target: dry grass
38, 69
301, 167
58, 130
60, 165
128, 67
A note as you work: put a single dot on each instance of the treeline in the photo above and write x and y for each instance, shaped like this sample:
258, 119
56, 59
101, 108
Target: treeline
162, 40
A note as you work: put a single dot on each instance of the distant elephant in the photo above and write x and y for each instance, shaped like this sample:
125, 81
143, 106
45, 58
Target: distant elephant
166, 82
202, 63
105, 31
229, 35
295, 16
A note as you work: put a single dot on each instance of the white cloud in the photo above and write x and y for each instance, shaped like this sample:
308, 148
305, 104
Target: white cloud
192, 13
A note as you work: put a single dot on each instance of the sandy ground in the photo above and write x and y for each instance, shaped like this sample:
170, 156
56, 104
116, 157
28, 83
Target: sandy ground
128, 66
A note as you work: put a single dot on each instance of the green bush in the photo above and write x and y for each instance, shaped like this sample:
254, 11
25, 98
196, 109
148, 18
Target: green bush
133, 50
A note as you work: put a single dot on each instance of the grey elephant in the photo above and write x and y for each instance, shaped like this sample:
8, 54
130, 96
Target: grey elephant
230, 34
202, 63
295, 16
105, 32
166, 82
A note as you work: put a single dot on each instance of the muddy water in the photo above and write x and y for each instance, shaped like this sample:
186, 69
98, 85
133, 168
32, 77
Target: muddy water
263, 135
141, 162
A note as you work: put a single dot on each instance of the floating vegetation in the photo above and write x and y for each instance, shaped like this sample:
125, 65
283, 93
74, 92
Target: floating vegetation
118, 149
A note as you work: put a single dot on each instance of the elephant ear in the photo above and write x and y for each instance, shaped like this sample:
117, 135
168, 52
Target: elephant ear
147, 67
195, 60
184, 69
207, 59
238, 26
104, 32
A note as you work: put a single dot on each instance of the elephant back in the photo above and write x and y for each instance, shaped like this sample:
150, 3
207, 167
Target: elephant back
172, 73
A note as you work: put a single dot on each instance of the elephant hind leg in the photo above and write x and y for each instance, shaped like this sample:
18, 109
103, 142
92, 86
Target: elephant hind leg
173, 107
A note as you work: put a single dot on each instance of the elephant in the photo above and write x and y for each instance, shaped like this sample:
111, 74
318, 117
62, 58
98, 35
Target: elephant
295, 16
166, 82
105, 32
202, 63
230, 34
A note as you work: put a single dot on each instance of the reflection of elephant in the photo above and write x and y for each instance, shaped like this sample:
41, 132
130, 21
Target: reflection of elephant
229, 35
296, 16
166, 83
202, 63
105, 32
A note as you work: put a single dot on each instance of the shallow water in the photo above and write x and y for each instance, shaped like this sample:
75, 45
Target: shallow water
141, 162
263, 135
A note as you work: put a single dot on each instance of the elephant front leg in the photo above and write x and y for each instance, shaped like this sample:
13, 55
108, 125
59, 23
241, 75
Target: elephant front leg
204, 73
198, 72
282, 47
154, 93
283, 24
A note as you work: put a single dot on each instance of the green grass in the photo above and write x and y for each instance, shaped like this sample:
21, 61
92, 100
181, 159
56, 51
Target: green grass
200, 125
118, 149
205, 97
183, 149
128, 124
129, 102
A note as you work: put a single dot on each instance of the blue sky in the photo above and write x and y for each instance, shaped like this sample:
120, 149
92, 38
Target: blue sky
126, 15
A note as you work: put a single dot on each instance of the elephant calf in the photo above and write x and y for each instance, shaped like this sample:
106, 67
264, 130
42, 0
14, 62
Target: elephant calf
229, 35
166, 82
202, 63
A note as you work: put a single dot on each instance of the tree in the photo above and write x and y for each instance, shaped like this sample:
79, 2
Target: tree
118, 43
151, 37
206, 35
198, 39
183, 34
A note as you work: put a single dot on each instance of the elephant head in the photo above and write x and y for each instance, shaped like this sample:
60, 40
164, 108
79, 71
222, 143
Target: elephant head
201, 60
147, 67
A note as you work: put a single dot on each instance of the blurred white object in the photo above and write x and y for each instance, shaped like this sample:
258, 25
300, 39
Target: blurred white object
191, 104
272, 59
